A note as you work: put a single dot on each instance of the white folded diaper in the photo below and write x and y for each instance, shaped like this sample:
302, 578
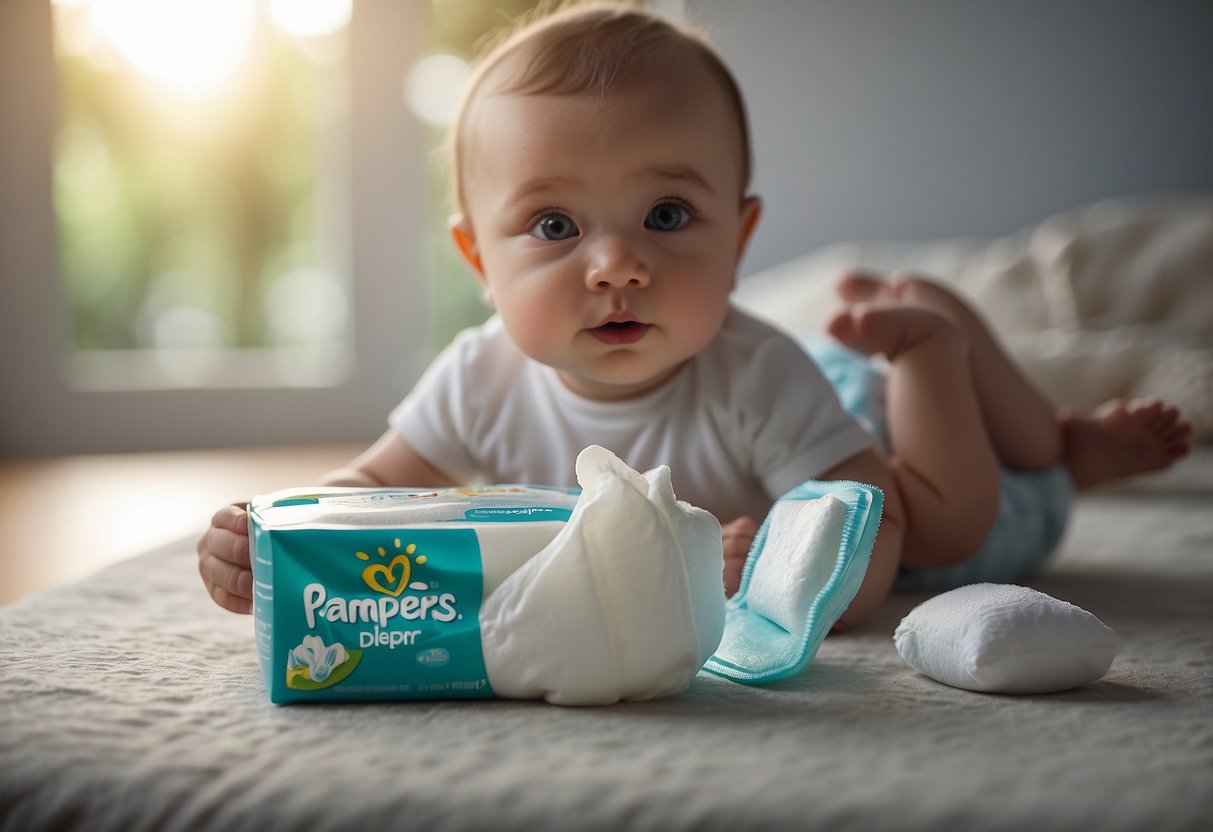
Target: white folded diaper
512, 591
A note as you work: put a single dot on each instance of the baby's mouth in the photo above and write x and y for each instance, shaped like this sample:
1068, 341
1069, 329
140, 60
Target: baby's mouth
620, 332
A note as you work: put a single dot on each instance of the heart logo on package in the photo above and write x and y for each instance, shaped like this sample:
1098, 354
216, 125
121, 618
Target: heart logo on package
382, 577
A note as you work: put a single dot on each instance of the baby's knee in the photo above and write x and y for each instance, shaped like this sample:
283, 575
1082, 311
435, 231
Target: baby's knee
919, 290
946, 523
939, 334
901, 331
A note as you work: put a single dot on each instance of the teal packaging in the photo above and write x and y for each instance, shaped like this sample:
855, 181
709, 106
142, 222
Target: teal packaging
375, 594
815, 545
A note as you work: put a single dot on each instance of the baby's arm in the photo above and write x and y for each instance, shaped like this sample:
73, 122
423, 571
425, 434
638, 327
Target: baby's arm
390, 461
868, 467
223, 550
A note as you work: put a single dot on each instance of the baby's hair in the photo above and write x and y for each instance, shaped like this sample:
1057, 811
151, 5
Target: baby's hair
575, 48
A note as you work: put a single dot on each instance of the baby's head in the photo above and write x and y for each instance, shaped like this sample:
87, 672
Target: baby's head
600, 163
598, 49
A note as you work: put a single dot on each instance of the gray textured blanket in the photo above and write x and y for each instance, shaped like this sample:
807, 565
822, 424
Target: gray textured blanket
128, 701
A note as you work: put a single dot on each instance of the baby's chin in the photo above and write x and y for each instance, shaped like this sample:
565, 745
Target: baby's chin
617, 385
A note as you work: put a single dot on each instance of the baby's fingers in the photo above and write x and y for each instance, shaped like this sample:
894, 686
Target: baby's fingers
231, 586
227, 537
233, 518
230, 602
223, 560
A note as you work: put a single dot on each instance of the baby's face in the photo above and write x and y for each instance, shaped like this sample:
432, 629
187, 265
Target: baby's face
608, 232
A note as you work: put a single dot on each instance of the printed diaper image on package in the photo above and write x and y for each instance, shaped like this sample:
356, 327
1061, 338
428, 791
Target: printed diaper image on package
376, 594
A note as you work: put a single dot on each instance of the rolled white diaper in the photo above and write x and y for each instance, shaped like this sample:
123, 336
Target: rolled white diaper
625, 603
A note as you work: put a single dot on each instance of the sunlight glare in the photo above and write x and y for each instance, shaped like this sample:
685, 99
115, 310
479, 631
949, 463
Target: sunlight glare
189, 44
433, 88
310, 18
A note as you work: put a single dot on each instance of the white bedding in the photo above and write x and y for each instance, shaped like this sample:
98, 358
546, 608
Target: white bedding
129, 701
1112, 300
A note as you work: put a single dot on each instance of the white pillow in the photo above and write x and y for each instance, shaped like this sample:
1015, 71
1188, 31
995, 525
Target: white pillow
998, 638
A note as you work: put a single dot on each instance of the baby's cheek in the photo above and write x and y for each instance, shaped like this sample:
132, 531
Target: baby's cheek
531, 327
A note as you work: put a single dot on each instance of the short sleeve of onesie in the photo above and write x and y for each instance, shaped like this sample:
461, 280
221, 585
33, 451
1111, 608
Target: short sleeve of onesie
791, 418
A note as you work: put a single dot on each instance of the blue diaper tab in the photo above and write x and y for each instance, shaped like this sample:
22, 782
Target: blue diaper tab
802, 572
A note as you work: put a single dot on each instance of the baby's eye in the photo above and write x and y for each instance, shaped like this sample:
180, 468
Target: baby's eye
554, 227
667, 216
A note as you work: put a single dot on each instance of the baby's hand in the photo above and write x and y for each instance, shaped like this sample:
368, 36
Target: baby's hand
736, 537
223, 559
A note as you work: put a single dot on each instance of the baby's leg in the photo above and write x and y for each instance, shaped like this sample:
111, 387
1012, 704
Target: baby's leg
942, 461
1020, 421
1120, 439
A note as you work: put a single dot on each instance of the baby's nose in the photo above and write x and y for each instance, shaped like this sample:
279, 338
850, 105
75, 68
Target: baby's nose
615, 264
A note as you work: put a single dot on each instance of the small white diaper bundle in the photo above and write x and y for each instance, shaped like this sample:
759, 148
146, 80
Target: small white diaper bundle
534, 592
1001, 638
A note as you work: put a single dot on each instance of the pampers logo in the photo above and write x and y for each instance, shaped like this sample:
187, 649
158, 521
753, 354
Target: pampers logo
389, 578
384, 578
315, 665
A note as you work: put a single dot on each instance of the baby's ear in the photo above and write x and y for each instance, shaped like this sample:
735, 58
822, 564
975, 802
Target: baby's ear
751, 211
465, 241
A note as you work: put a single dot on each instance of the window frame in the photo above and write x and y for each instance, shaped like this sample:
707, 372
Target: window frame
44, 412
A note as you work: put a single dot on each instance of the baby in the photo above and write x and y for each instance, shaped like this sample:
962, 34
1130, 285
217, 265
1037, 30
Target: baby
601, 165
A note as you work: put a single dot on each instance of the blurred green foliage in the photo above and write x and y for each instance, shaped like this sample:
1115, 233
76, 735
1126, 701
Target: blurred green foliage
168, 201
178, 216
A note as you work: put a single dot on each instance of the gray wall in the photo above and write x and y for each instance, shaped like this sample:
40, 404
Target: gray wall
918, 119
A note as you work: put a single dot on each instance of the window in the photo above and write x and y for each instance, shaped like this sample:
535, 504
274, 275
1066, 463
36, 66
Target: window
174, 276
199, 165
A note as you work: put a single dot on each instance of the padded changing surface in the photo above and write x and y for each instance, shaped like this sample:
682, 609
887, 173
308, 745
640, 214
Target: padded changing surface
129, 701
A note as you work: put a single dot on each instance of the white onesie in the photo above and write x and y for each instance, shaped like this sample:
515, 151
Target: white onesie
743, 421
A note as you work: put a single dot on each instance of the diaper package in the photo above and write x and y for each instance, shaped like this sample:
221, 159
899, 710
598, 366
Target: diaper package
803, 570
523, 591
512, 591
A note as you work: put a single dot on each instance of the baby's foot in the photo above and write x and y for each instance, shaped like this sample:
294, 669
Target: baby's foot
859, 286
893, 330
1121, 439
908, 288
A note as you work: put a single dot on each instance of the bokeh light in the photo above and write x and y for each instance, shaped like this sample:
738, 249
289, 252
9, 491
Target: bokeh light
189, 44
310, 18
434, 86
197, 140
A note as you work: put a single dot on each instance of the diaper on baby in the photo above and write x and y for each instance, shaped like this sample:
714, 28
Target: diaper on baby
515, 591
